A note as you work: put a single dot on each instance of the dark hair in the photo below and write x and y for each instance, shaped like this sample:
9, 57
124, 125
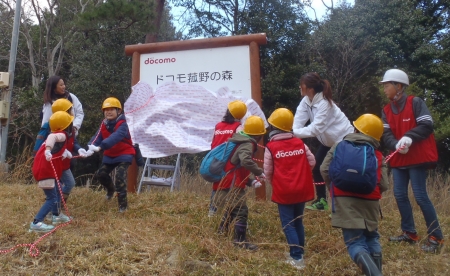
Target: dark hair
313, 80
49, 92
228, 118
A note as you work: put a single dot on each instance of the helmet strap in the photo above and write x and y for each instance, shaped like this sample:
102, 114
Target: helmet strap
399, 91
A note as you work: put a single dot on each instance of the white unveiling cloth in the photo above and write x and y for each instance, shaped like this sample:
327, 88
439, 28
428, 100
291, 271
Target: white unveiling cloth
178, 118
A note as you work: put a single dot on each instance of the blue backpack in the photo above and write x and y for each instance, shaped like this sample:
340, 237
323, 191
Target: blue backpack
212, 168
354, 167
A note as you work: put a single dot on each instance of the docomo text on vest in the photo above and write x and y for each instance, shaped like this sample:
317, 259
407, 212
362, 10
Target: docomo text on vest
221, 132
282, 153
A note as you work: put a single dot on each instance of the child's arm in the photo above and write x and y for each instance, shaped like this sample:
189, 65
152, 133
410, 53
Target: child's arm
115, 137
384, 181
54, 138
324, 168
310, 157
268, 164
245, 155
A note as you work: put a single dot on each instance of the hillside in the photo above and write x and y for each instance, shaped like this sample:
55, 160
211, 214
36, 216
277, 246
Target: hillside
166, 233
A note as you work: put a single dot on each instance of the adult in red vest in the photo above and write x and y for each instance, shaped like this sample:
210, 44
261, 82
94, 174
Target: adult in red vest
114, 139
288, 164
408, 127
355, 213
229, 125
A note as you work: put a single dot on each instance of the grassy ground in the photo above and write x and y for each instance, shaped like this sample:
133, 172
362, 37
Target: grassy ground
166, 233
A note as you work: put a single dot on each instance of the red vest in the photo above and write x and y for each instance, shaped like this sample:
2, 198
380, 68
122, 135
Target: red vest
222, 132
42, 169
69, 146
237, 176
376, 194
123, 147
420, 152
292, 180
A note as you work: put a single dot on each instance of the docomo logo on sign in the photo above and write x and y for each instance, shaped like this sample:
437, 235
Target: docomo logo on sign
219, 132
159, 60
282, 153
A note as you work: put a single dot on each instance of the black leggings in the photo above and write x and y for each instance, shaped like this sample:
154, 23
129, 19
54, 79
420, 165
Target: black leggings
321, 190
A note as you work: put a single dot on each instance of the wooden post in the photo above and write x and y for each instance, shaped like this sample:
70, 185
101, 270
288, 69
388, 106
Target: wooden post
133, 169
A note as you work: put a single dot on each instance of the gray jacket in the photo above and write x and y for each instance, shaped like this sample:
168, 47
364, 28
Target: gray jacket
352, 212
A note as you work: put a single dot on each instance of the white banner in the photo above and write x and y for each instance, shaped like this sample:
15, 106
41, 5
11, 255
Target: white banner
178, 118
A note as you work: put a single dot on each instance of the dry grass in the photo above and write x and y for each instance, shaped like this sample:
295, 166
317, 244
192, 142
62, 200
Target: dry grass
166, 233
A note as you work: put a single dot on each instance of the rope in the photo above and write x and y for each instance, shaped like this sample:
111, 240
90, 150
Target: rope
34, 251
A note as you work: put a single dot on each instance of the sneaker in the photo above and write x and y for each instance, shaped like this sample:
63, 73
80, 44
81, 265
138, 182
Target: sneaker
60, 219
122, 209
298, 264
433, 245
320, 205
246, 245
211, 213
405, 237
109, 195
40, 227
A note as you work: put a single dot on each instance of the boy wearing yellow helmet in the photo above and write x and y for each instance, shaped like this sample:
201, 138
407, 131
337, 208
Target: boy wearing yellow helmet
231, 189
357, 213
114, 139
229, 125
288, 164
48, 166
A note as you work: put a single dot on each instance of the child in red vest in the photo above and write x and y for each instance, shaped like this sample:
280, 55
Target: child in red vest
356, 213
114, 139
408, 127
231, 195
288, 164
48, 166
229, 125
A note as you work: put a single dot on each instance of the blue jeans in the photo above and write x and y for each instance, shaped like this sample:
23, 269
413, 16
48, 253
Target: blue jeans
358, 240
68, 181
291, 216
418, 177
51, 203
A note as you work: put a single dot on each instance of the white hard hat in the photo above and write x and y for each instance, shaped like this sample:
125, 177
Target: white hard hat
395, 75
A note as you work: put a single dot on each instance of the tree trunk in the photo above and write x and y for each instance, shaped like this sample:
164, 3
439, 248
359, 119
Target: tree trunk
152, 37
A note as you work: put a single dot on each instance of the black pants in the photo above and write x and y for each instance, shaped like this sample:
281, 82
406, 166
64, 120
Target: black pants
321, 190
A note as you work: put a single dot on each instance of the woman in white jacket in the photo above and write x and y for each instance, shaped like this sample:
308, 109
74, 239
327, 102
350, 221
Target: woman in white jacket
327, 123
56, 89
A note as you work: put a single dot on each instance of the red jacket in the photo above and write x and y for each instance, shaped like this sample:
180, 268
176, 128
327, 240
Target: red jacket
420, 152
124, 147
292, 180
42, 169
375, 195
222, 132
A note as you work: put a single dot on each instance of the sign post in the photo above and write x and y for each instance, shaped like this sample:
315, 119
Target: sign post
211, 62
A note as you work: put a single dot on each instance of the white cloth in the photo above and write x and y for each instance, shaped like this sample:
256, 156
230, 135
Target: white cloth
177, 118
328, 123
77, 111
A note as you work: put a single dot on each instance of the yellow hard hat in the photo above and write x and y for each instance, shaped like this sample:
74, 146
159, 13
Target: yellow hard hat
254, 125
111, 102
61, 105
370, 125
282, 118
238, 109
60, 120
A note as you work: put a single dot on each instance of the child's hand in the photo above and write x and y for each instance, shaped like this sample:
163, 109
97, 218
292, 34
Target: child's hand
66, 154
48, 155
82, 153
256, 184
93, 148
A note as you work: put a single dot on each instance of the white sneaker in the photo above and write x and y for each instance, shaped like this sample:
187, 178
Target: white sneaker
60, 219
211, 213
298, 264
40, 227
